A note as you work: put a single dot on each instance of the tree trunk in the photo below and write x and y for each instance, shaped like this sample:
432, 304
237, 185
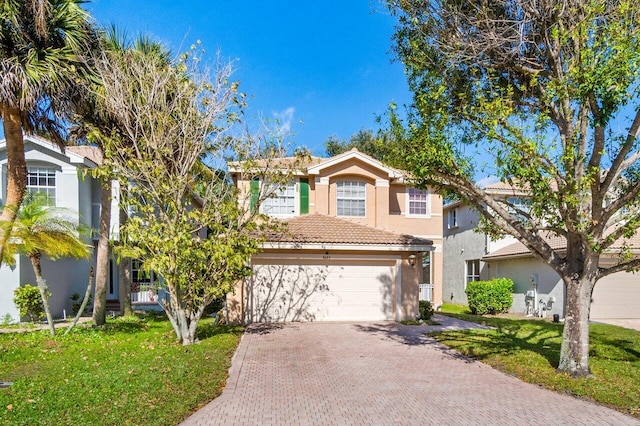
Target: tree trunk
16, 170
102, 258
124, 279
574, 351
183, 321
44, 289
85, 302
124, 270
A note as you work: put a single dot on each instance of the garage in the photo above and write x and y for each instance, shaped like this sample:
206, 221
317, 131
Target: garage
616, 296
323, 289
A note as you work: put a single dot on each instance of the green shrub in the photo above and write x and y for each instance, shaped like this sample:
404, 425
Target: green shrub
490, 297
426, 310
28, 301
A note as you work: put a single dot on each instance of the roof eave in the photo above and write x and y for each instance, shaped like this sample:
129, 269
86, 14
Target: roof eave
344, 246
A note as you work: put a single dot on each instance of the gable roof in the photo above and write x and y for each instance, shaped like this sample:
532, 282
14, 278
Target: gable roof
328, 232
88, 156
355, 154
314, 165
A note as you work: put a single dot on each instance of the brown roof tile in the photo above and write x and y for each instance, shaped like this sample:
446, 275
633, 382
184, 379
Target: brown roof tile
519, 249
93, 153
317, 228
557, 243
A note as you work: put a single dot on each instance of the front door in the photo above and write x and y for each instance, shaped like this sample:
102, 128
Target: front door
112, 281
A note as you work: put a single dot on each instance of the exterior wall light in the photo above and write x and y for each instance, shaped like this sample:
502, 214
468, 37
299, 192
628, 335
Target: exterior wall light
412, 260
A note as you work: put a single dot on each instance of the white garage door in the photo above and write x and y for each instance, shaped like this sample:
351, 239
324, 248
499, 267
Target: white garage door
323, 290
617, 296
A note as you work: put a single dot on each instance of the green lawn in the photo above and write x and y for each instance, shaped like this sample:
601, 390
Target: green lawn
529, 349
132, 372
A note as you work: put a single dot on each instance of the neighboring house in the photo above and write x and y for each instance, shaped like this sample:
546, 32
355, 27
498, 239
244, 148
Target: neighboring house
62, 177
470, 255
464, 247
360, 244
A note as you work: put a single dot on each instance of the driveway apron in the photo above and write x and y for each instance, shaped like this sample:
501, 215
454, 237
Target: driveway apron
378, 374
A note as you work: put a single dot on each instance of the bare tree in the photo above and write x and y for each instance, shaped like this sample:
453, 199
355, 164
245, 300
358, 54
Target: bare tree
176, 126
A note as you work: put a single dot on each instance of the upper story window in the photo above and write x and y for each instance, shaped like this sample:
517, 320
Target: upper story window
351, 198
418, 202
42, 180
520, 204
452, 219
281, 200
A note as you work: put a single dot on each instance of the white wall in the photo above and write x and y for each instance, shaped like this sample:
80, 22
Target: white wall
9, 281
520, 271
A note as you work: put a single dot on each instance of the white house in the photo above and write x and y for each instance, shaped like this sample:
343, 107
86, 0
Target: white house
63, 177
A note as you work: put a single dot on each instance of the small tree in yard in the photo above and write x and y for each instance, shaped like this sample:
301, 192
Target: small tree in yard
547, 93
174, 133
40, 229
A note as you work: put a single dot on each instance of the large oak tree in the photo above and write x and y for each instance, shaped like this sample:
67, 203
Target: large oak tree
543, 94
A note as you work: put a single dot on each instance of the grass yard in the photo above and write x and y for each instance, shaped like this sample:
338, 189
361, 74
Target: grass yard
132, 372
529, 349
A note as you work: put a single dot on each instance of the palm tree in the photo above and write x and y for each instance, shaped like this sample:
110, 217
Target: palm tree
40, 229
40, 62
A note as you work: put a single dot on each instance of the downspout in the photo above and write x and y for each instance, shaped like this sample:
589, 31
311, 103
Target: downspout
398, 290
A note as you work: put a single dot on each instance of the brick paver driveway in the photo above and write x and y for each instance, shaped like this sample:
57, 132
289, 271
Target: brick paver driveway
378, 374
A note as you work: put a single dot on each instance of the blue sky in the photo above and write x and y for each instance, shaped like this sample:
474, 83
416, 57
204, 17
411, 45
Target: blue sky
323, 68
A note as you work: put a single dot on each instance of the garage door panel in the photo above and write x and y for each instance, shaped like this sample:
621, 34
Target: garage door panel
616, 296
337, 291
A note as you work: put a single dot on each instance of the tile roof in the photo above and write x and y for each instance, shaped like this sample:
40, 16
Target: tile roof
317, 228
93, 153
518, 249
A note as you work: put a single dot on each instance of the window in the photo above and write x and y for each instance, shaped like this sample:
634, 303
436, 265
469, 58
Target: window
521, 204
42, 180
418, 200
426, 268
280, 200
473, 270
452, 219
351, 198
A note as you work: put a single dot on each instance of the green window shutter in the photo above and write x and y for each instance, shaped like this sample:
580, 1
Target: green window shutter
255, 193
304, 195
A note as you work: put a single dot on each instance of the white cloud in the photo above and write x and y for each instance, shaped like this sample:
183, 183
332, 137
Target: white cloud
284, 119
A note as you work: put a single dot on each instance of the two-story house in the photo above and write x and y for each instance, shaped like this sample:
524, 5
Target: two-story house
360, 244
62, 176
471, 256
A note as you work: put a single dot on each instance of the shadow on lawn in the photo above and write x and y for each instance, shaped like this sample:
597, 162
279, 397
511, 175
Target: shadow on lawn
508, 336
623, 345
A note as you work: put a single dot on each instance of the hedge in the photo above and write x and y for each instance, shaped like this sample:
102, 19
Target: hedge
490, 297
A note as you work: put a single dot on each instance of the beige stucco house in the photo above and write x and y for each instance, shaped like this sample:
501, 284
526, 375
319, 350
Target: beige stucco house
360, 245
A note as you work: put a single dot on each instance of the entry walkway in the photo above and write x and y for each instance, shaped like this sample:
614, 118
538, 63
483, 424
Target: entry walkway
379, 374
